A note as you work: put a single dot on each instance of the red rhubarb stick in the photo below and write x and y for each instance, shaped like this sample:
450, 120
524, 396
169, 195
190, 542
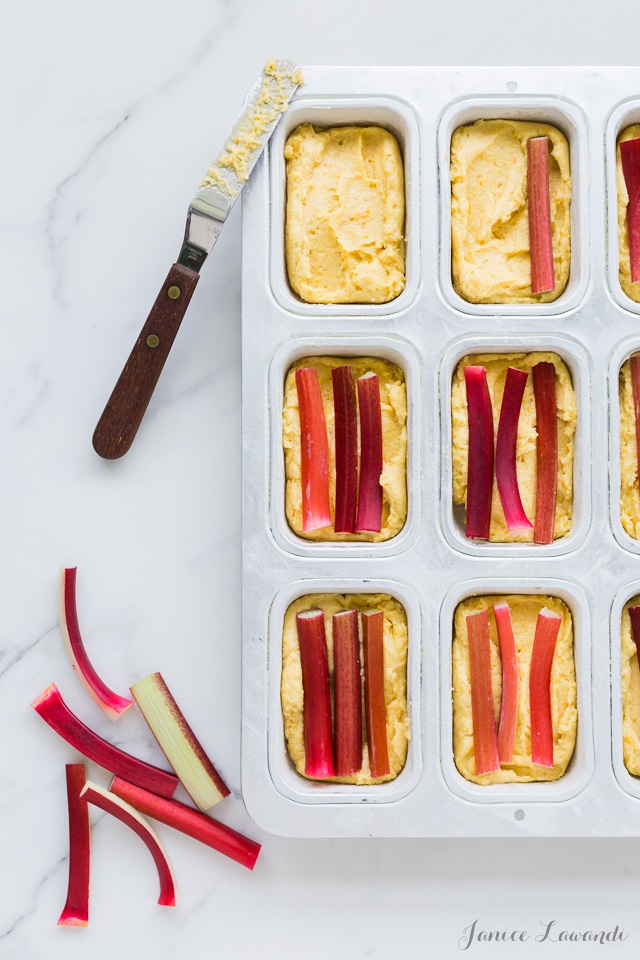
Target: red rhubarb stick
112, 704
369, 516
540, 235
317, 695
480, 453
544, 643
191, 822
506, 443
128, 815
485, 738
544, 391
346, 442
634, 363
634, 615
509, 703
347, 693
75, 912
56, 713
314, 451
630, 156
375, 710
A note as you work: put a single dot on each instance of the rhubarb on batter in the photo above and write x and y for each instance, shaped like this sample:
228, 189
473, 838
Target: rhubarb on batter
524, 610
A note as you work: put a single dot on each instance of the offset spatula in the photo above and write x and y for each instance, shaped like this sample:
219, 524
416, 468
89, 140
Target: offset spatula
209, 209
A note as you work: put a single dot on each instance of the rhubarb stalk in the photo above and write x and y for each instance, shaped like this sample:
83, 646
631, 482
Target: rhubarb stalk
346, 444
369, 517
509, 703
178, 742
128, 815
634, 615
540, 234
314, 451
75, 912
544, 391
191, 822
506, 443
375, 709
485, 739
634, 363
544, 643
112, 704
480, 453
347, 693
316, 692
630, 157
52, 708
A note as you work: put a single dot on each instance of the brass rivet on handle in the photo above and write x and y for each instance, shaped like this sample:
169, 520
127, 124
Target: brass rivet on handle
153, 340
173, 293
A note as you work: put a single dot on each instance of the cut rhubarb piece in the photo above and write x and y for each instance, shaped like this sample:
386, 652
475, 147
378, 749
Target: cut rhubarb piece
191, 822
634, 615
112, 704
485, 738
347, 693
634, 363
630, 157
57, 714
509, 702
316, 693
369, 517
128, 815
375, 709
540, 234
480, 454
314, 451
75, 912
544, 391
346, 441
178, 742
506, 444
544, 644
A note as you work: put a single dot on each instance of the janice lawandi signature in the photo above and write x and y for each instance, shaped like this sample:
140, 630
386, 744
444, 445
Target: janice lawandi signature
551, 932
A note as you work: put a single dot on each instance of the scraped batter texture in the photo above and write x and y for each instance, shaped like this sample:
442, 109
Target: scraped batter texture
564, 713
496, 365
345, 214
396, 644
489, 217
630, 693
631, 289
393, 479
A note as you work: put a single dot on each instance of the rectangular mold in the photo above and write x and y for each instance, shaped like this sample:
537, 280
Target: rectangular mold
568, 118
398, 118
388, 348
578, 365
624, 115
430, 565
581, 765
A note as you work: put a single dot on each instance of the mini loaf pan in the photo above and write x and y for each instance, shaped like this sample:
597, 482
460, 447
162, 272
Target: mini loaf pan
577, 362
581, 766
627, 781
397, 117
569, 119
393, 349
622, 116
619, 357
285, 778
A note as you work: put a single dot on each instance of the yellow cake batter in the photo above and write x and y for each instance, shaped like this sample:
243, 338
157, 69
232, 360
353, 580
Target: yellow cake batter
489, 217
629, 493
564, 714
496, 366
630, 693
396, 642
631, 289
393, 400
345, 214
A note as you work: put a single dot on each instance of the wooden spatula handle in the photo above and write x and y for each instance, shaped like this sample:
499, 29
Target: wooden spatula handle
126, 406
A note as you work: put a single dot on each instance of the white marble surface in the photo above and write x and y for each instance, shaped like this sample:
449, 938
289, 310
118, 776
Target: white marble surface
110, 116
